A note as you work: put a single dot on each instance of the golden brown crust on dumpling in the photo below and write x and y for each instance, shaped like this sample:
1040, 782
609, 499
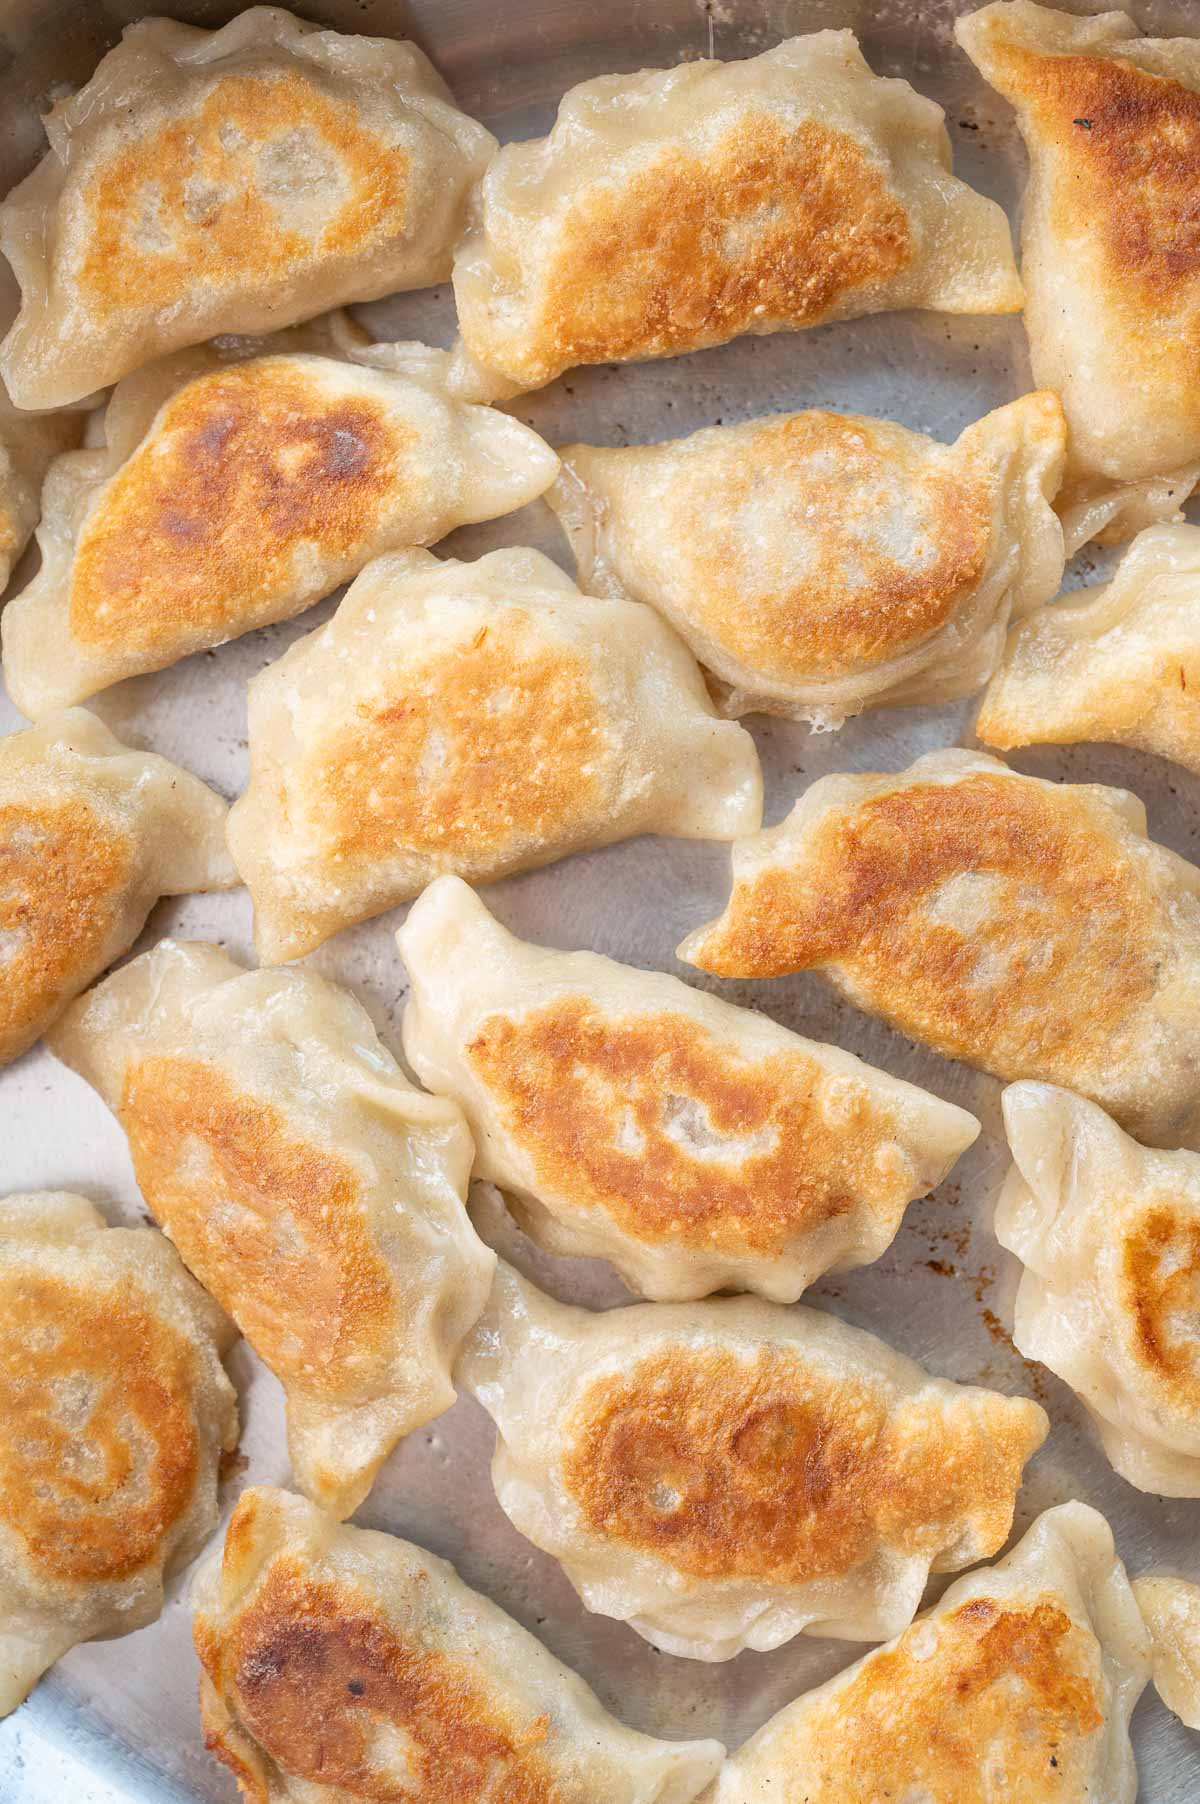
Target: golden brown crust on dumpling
232, 181
1159, 1274
504, 736
827, 624
857, 601
204, 520
271, 1224
192, 170
1019, 1684
1020, 1679
762, 1468
1111, 248
1059, 903
98, 1444
481, 718
820, 563
728, 1474
314, 1191
1130, 141
675, 209
91, 834
342, 1661
115, 1411
239, 482
63, 872
321, 1679
610, 1111
1027, 927
626, 1116
13, 532
1108, 1234
677, 257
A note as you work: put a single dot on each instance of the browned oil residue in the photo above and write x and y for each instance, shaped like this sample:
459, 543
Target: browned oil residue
985, 1277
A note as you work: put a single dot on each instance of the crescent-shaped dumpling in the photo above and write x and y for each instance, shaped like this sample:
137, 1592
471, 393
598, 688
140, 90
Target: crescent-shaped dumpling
312, 1189
237, 180
1018, 1685
1110, 250
1108, 1233
1119, 663
238, 484
343, 1664
92, 833
679, 208
1026, 927
698, 1146
477, 719
115, 1412
822, 563
729, 1474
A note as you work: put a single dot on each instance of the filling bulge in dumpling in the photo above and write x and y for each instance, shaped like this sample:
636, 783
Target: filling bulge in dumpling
344, 1664
1111, 258
697, 1145
228, 181
478, 719
1171, 1610
236, 489
1118, 663
820, 563
1027, 927
1017, 1686
91, 835
115, 1411
678, 208
729, 1474
1109, 1235
308, 1185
